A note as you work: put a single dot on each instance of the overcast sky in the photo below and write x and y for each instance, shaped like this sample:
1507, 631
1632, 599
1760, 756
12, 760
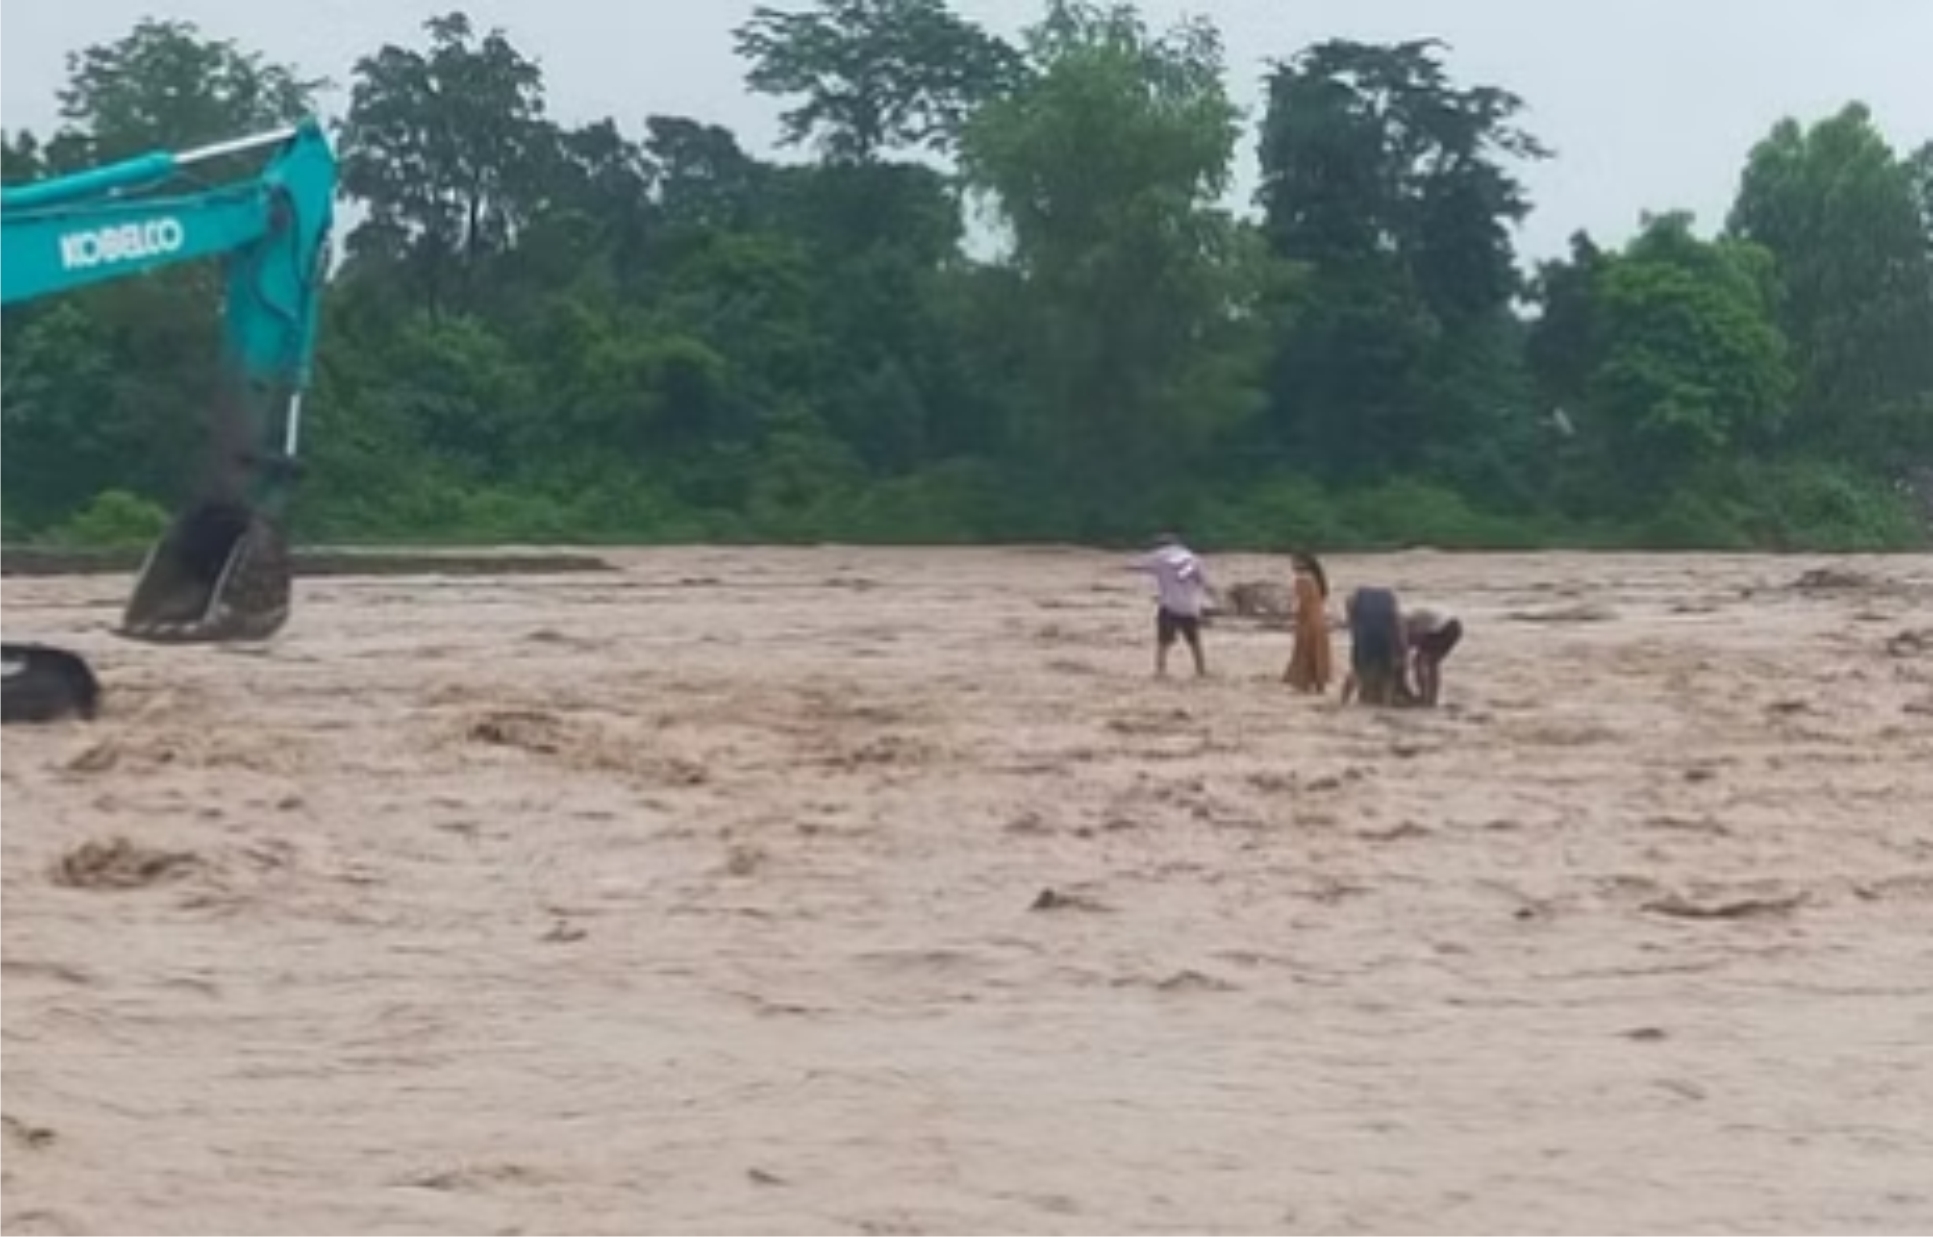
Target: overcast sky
1648, 103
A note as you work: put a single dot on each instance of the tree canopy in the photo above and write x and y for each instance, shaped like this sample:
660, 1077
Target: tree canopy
993, 289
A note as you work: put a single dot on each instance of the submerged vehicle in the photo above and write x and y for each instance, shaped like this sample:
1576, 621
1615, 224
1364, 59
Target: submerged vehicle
221, 571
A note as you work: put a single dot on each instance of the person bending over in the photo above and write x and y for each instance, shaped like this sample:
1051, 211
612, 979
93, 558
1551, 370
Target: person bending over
1431, 634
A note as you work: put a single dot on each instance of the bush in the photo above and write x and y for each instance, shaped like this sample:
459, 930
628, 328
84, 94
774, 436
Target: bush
113, 519
1820, 507
952, 504
1691, 519
1279, 514
1808, 506
1405, 513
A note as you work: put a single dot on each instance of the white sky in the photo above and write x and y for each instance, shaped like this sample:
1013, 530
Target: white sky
1648, 103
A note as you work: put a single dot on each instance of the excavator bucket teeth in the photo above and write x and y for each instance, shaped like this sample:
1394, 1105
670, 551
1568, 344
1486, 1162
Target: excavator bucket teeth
220, 573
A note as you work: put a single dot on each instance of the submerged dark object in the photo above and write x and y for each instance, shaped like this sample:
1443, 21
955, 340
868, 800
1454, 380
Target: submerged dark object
46, 684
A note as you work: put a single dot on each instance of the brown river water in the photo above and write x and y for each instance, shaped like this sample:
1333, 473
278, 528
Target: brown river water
712, 895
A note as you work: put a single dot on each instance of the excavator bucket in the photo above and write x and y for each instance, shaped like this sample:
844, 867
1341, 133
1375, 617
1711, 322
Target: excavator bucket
221, 572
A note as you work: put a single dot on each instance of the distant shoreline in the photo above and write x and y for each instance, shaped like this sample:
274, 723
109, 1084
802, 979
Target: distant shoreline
27, 561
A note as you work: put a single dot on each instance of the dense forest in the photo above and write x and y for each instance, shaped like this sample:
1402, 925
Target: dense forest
993, 291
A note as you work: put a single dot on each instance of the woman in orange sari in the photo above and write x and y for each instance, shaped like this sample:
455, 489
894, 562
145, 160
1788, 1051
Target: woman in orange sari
1311, 663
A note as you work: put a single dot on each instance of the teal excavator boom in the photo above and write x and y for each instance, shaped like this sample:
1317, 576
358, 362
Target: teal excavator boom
221, 571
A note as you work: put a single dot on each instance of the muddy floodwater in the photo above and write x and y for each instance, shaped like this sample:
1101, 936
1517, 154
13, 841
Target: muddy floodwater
831, 890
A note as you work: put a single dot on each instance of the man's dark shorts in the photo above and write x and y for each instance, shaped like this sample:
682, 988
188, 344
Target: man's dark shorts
1168, 625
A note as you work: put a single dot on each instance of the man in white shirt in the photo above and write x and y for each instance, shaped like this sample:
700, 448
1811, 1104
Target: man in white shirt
1181, 588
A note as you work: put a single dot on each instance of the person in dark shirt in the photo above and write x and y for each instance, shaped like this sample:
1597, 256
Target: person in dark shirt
1378, 649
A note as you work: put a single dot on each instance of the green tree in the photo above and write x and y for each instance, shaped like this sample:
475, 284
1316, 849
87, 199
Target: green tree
1105, 167
1921, 166
21, 158
591, 224
448, 149
64, 439
1393, 188
881, 239
1843, 216
1370, 149
166, 86
1561, 347
1690, 363
705, 179
875, 74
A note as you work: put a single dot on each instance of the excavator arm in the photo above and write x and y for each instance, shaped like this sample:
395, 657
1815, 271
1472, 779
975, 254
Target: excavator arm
221, 571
